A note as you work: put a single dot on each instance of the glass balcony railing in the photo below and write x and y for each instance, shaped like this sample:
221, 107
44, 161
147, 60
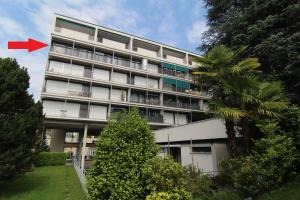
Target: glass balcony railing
62, 49
82, 53
122, 62
195, 107
170, 103
156, 119
103, 57
184, 105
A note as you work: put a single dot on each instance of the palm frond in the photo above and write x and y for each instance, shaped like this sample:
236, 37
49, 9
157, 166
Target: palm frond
246, 65
206, 73
230, 113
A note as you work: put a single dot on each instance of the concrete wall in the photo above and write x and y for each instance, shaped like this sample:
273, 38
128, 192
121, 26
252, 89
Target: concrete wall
203, 130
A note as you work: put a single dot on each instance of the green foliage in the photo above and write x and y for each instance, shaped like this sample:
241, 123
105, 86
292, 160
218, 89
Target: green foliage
21, 120
224, 194
165, 175
50, 159
123, 148
269, 28
198, 183
163, 196
269, 165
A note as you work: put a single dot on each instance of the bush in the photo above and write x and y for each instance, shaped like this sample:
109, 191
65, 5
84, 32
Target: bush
225, 194
163, 196
198, 183
50, 159
123, 148
165, 178
269, 165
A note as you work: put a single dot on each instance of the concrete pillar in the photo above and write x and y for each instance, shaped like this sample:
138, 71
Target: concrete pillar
185, 59
83, 149
160, 83
201, 104
57, 140
161, 99
144, 63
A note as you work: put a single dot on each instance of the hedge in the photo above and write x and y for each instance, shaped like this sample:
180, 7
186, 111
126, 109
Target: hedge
50, 159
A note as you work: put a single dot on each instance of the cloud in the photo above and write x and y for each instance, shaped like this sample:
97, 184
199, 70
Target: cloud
11, 27
194, 35
111, 13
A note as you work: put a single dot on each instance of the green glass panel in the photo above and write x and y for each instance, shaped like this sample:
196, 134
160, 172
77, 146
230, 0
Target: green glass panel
169, 81
169, 66
183, 85
182, 69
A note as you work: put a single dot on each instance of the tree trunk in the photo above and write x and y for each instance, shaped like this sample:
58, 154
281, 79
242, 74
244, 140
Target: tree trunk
246, 132
229, 124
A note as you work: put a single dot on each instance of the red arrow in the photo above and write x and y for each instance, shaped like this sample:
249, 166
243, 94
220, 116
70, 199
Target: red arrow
30, 45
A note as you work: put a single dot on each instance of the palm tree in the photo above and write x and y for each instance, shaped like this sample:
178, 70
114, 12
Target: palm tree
228, 80
239, 94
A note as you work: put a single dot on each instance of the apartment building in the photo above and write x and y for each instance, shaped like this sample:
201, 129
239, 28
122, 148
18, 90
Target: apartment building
93, 72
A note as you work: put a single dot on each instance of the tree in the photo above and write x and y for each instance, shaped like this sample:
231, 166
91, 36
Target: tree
123, 148
269, 28
21, 120
230, 81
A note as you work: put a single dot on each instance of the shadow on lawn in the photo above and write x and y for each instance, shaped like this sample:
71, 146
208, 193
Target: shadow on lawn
22, 184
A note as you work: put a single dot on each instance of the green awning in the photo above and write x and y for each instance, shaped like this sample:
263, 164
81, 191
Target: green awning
182, 69
168, 65
183, 85
169, 81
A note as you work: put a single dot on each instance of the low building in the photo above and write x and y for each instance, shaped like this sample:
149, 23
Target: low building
202, 144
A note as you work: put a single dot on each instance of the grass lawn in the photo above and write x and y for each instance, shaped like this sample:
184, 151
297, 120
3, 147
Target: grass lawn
44, 183
290, 191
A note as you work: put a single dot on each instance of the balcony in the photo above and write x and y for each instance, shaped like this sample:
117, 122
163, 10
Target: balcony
136, 65
155, 119
73, 110
83, 53
170, 103
121, 61
62, 49
183, 105
106, 58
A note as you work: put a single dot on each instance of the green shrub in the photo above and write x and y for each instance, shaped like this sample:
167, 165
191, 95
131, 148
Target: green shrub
198, 183
225, 194
165, 175
123, 148
162, 196
50, 159
269, 165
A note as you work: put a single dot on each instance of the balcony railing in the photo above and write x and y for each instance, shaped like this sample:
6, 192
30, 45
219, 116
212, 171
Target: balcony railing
81, 93
82, 53
153, 101
170, 103
62, 49
156, 119
122, 62
184, 105
195, 107
103, 57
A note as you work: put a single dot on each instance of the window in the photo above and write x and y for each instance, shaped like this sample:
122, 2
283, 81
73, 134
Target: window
72, 137
201, 149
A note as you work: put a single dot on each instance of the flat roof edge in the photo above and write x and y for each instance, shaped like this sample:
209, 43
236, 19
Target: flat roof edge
128, 34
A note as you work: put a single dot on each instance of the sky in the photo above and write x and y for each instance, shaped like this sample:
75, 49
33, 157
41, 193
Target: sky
179, 23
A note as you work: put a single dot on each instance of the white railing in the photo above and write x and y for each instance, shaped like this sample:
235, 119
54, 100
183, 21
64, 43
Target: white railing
80, 173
